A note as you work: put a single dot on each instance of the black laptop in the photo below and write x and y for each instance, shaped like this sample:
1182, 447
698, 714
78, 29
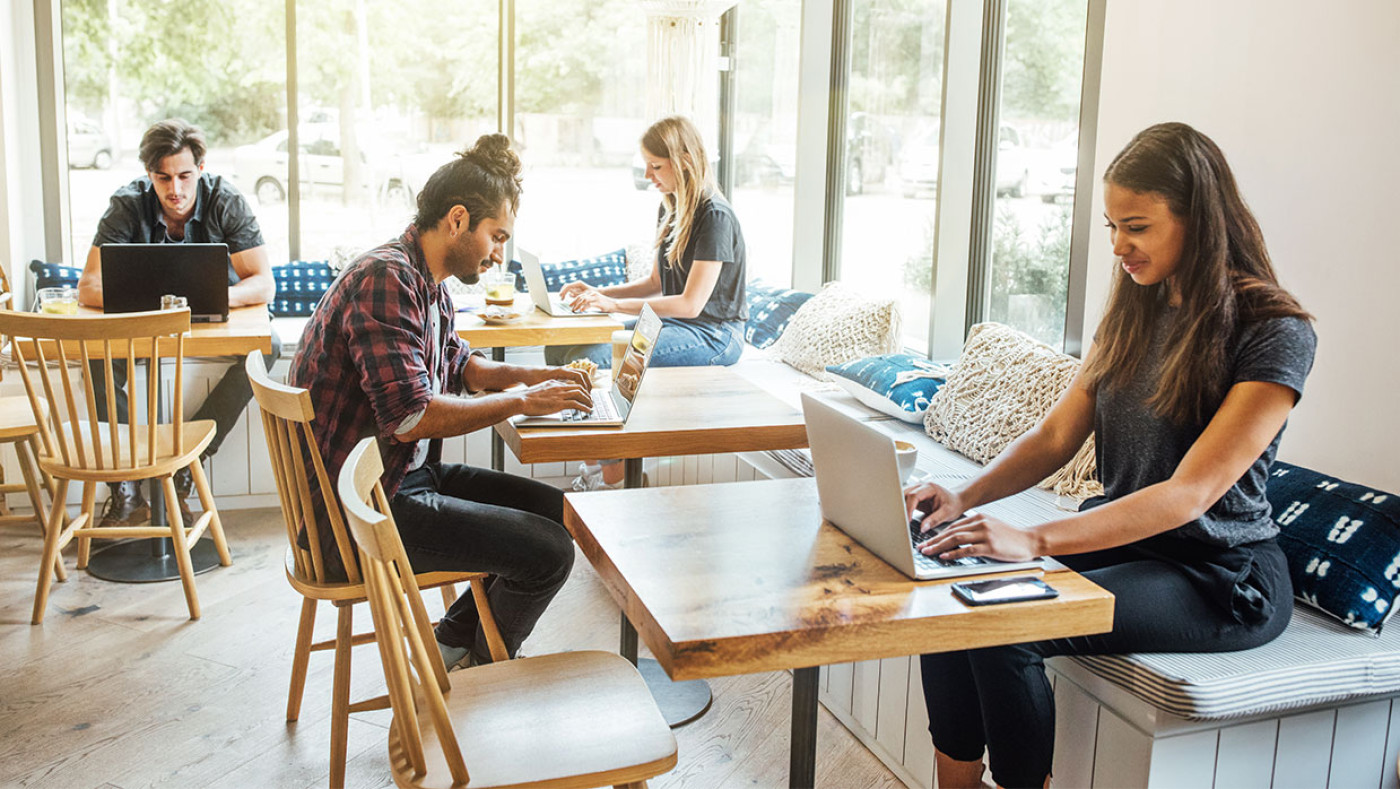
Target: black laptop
135, 276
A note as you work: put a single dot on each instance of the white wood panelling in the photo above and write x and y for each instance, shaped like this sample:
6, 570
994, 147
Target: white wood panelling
1304, 750
865, 693
1358, 745
918, 745
1076, 733
1245, 756
1390, 763
891, 713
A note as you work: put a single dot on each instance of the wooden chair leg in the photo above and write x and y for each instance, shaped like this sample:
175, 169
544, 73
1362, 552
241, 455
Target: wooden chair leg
51, 533
300, 657
206, 500
633, 785
90, 509
449, 595
340, 695
182, 547
494, 642
4, 499
27, 466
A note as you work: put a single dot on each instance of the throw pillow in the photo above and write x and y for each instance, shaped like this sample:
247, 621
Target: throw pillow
1002, 385
1342, 541
838, 325
770, 311
599, 271
54, 275
897, 384
300, 285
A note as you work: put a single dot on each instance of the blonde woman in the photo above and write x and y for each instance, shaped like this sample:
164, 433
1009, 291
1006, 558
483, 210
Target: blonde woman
696, 283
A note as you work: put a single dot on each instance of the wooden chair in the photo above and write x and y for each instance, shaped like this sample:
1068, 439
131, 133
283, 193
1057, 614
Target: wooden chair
575, 719
78, 448
19, 429
287, 414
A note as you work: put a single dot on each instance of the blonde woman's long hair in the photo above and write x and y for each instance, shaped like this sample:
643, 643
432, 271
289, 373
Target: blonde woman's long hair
676, 140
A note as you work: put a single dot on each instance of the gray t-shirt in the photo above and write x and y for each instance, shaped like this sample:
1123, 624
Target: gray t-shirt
715, 236
1137, 448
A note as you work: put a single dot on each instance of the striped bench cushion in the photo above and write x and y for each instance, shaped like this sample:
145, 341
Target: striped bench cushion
1316, 661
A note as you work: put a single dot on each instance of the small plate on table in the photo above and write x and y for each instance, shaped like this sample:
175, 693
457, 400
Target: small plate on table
500, 316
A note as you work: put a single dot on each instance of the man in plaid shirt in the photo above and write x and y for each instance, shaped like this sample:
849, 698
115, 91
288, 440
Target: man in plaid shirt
381, 357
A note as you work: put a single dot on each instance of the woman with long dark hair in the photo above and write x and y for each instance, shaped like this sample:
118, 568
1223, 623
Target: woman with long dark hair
1196, 364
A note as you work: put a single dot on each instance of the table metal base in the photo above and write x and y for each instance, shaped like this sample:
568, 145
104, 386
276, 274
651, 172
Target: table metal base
679, 702
802, 760
146, 561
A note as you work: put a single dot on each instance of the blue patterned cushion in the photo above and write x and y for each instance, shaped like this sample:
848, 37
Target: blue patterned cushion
300, 284
898, 384
770, 309
53, 275
1342, 541
599, 271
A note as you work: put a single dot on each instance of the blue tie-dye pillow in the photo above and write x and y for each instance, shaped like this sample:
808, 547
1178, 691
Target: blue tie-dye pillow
770, 309
1342, 541
300, 285
598, 271
54, 275
898, 384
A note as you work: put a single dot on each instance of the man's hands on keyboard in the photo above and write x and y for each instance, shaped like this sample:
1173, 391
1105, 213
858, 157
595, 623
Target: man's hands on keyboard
551, 396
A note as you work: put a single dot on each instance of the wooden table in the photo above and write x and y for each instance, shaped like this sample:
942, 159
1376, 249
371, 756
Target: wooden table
141, 561
679, 411
746, 577
535, 328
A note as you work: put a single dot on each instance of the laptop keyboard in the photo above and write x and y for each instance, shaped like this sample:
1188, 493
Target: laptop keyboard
923, 562
603, 409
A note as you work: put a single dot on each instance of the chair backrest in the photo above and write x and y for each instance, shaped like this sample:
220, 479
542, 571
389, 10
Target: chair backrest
401, 622
287, 414
55, 344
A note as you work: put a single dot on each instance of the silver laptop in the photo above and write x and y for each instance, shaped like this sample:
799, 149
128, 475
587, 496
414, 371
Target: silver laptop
860, 491
613, 409
135, 276
550, 303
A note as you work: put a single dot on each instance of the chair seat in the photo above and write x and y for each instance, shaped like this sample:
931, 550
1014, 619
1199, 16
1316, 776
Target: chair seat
344, 590
17, 418
575, 719
197, 437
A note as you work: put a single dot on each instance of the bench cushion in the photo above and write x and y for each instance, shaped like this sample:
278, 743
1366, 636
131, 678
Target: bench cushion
1315, 661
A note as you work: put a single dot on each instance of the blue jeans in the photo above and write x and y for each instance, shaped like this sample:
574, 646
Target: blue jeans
457, 518
682, 343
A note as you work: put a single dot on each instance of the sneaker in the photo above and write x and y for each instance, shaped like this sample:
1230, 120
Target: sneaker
590, 477
454, 657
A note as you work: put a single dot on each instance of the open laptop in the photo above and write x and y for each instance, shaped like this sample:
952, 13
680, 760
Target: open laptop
135, 276
550, 303
860, 491
612, 410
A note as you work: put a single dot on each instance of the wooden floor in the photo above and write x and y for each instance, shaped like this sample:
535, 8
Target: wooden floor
119, 689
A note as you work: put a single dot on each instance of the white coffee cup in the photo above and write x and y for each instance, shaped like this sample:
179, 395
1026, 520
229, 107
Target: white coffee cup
906, 455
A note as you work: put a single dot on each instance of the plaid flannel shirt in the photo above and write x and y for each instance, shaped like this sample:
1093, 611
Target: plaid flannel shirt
366, 351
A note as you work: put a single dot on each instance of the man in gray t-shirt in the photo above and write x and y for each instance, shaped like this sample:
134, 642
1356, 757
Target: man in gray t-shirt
177, 202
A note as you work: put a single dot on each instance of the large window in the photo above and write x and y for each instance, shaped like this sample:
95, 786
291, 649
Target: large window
765, 132
891, 153
1035, 166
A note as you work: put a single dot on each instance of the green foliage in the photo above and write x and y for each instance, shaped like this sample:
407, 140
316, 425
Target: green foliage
1044, 59
897, 57
1030, 274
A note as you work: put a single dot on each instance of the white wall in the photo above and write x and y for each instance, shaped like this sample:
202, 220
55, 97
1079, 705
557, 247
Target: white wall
1304, 98
21, 210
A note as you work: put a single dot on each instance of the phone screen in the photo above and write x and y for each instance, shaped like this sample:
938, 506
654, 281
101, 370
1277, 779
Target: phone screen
1003, 590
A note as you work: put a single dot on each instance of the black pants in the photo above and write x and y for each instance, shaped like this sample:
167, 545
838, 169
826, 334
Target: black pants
225, 403
1170, 595
459, 518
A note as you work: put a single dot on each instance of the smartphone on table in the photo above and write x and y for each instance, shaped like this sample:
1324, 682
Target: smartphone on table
1003, 590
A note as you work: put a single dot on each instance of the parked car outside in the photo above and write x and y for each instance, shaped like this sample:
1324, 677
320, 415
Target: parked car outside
1055, 170
88, 145
918, 165
395, 175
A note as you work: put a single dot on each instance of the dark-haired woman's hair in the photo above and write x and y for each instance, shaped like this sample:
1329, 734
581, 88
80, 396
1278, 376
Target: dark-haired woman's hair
483, 179
169, 137
1224, 275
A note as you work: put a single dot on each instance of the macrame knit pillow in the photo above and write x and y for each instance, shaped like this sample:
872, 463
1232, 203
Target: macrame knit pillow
837, 325
1003, 385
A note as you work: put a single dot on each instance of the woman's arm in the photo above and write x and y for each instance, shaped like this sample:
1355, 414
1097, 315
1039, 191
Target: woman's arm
687, 304
1252, 413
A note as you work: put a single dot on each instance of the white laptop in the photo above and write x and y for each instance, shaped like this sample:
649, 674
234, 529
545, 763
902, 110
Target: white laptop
611, 408
861, 494
550, 303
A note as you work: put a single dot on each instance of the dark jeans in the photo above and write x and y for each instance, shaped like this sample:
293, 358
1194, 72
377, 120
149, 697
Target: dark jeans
459, 518
225, 403
1170, 595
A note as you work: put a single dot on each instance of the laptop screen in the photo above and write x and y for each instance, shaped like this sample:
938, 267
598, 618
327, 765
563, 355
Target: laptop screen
628, 376
136, 276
